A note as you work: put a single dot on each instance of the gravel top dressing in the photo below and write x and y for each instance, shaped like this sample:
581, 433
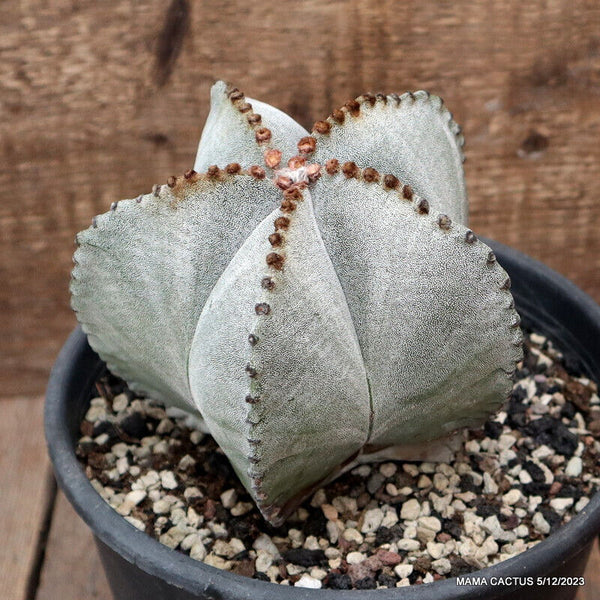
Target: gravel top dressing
514, 481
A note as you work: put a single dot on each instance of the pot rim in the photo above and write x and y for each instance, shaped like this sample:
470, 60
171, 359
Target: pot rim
180, 570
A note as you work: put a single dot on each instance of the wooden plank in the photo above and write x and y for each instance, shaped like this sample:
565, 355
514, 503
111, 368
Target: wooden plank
24, 496
90, 114
72, 568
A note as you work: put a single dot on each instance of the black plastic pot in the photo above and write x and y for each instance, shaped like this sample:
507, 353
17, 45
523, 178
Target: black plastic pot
138, 567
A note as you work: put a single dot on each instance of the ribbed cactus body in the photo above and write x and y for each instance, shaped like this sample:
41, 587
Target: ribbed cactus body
310, 295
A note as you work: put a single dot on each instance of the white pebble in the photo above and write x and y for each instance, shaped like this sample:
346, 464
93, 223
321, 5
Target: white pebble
489, 485
352, 535
167, 480
263, 561
441, 566
241, 508
408, 545
512, 497
435, 549
561, 504
581, 503
264, 542
410, 510
372, 520
574, 467
403, 570
388, 469
306, 581
540, 523
229, 498
353, 558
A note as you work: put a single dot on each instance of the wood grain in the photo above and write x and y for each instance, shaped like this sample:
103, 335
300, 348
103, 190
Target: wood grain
25, 493
72, 568
99, 100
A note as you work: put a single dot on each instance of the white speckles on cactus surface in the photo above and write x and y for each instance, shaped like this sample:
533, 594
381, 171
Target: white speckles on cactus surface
311, 296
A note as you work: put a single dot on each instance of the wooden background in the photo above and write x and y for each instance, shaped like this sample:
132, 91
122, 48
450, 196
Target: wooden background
99, 100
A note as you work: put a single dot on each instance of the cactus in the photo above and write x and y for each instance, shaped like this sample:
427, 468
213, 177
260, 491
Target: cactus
314, 297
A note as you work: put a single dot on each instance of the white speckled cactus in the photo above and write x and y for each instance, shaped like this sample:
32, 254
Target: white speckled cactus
310, 312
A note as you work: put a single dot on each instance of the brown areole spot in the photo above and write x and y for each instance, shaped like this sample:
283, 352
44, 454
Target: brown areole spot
275, 239
233, 168
407, 192
273, 158
235, 95
338, 115
313, 171
171, 181
370, 98
268, 284
275, 260
254, 119
212, 171
353, 107
491, 258
252, 399
506, 285
252, 339
370, 175
257, 172
284, 182
262, 135
444, 222
281, 223
322, 127
349, 169
422, 206
292, 194
332, 166
262, 308
470, 237
391, 182
189, 174
307, 145
250, 370
288, 206
244, 107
